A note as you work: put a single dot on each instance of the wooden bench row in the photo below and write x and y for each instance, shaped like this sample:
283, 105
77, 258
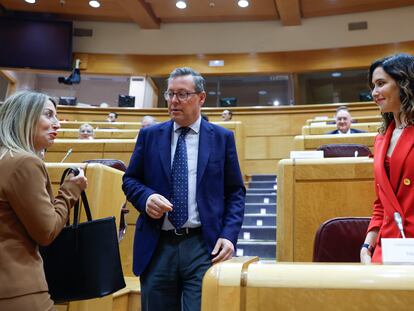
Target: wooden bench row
245, 284
359, 119
371, 127
312, 142
117, 148
100, 133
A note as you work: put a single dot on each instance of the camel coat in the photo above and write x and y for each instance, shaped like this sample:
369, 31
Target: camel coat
29, 216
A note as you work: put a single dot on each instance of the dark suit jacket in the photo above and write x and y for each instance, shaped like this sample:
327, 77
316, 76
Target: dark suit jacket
220, 192
353, 131
394, 194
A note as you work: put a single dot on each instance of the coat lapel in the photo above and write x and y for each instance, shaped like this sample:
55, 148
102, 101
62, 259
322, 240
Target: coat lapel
382, 178
405, 144
165, 148
204, 146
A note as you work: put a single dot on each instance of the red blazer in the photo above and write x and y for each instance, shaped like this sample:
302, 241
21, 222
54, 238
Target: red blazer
394, 194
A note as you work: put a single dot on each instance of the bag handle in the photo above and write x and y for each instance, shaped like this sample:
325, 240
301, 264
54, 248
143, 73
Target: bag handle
84, 199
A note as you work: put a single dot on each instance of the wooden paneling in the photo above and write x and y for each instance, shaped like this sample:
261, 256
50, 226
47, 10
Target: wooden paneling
289, 11
280, 62
100, 133
141, 13
149, 13
221, 289
314, 8
342, 287
313, 191
302, 287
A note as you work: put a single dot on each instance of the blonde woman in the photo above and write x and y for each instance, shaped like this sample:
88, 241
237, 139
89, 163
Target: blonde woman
29, 214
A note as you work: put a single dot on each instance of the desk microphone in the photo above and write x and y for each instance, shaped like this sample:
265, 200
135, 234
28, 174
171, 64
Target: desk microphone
398, 220
66, 155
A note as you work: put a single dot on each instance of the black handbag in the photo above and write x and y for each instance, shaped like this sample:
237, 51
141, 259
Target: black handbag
83, 262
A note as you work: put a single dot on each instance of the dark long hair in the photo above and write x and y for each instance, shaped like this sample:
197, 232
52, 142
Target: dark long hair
400, 67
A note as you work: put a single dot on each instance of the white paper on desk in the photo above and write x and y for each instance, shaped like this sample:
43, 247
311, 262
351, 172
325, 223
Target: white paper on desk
312, 154
397, 251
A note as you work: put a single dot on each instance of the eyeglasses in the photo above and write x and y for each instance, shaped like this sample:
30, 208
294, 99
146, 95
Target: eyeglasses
181, 95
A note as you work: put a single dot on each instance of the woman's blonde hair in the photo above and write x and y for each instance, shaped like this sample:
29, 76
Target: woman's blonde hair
19, 116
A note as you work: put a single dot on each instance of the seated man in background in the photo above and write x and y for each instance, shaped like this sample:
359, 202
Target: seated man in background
343, 122
112, 116
86, 131
148, 121
226, 115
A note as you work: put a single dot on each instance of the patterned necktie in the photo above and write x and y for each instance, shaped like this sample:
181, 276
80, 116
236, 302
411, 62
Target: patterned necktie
179, 180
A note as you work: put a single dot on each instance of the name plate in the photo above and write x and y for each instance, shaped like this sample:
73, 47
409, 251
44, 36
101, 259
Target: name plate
314, 154
397, 251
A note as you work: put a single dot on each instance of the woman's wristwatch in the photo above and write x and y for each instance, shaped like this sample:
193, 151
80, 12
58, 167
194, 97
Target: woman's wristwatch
369, 247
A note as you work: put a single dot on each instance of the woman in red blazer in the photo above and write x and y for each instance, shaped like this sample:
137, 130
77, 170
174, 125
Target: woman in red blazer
392, 84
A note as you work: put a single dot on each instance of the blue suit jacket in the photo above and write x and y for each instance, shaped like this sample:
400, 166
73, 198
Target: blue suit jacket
353, 131
220, 192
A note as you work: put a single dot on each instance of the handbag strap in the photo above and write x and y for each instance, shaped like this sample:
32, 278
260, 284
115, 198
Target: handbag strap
84, 199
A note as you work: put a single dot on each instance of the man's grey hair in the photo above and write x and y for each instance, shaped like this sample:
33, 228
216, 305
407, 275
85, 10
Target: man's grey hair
199, 81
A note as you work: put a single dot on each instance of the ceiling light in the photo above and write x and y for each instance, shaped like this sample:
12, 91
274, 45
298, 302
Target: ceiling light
336, 74
243, 3
262, 92
94, 4
181, 4
30, 1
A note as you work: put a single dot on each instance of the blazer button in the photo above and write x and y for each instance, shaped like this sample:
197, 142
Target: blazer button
407, 181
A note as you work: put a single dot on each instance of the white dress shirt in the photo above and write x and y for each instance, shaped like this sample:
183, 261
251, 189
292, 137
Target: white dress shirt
192, 141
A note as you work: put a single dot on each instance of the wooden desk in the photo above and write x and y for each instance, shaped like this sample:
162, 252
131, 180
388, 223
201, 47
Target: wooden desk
359, 119
312, 142
105, 199
100, 124
371, 127
222, 285
100, 133
339, 287
313, 191
83, 150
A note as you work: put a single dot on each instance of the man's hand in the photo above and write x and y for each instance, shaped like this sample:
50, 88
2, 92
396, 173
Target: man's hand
223, 250
157, 205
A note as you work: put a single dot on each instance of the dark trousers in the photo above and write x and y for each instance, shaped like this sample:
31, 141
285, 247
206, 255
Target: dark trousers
172, 281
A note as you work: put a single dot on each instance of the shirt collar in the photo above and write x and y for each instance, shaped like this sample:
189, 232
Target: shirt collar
195, 126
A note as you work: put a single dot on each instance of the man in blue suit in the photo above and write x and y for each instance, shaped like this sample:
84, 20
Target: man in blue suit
343, 121
184, 178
